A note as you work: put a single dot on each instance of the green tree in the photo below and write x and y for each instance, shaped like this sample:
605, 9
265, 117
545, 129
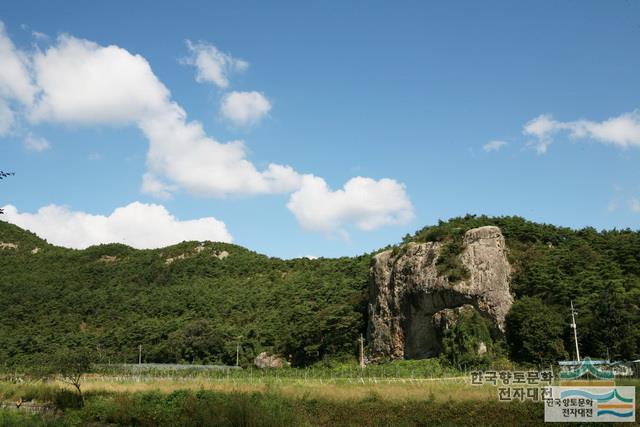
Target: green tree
3, 175
199, 341
534, 332
69, 365
461, 344
613, 330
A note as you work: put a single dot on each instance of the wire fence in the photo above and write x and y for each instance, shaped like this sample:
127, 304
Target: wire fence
371, 373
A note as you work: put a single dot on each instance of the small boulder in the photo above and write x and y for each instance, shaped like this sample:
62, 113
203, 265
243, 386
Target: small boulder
482, 348
264, 360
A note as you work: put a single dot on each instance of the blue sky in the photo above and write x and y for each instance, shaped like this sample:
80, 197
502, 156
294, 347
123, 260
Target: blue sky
404, 95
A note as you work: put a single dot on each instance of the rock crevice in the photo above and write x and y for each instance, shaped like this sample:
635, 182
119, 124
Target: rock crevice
408, 299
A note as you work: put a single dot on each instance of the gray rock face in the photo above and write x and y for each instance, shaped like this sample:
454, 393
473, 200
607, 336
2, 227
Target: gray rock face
410, 304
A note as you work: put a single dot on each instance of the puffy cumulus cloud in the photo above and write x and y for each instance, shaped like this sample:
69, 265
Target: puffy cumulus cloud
363, 202
495, 145
244, 108
15, 76
181, 151
138, 225
622, 131
212, 66
82, 82
35, 143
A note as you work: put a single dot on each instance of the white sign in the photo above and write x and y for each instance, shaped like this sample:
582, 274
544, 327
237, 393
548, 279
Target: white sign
591, 404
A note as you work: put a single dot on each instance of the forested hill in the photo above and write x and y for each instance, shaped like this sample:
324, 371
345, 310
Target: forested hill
190, 302
194, 302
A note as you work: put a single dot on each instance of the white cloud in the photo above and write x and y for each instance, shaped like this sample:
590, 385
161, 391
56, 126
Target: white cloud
15, 81
138, 225
244, 108
15, 78
6, 118
154, 187
542, 127
213, 66
35, 143
622, 131
363, 202
494, 145
634, 204
39, 36
182, 152
85, 83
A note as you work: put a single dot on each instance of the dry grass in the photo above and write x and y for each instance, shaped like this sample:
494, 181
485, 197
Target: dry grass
387, 389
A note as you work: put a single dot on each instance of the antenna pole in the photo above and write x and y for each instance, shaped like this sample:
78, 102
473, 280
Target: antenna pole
575, 330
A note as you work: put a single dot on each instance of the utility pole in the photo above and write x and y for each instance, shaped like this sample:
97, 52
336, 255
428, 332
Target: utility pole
238, 338
575, 329
362, 365
140, 354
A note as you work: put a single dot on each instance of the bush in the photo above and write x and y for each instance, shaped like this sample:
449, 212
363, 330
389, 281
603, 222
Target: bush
67, 399
449, 263
461, 342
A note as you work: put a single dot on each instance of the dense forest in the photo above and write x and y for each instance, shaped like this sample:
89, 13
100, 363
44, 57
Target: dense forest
184, 303
196, 302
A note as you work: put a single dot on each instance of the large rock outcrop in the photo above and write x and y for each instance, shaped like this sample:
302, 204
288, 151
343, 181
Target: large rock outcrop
410, 303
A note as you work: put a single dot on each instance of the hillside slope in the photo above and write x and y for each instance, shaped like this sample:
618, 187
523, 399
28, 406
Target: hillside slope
194, 302
189, 302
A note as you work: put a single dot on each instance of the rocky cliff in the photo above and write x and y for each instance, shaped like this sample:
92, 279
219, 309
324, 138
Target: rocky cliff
410, 303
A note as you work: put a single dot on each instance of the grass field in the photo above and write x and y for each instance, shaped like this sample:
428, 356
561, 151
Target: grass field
271, 399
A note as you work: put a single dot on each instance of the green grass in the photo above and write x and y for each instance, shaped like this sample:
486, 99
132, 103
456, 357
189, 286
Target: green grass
270, 408
291, 402
13, 419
